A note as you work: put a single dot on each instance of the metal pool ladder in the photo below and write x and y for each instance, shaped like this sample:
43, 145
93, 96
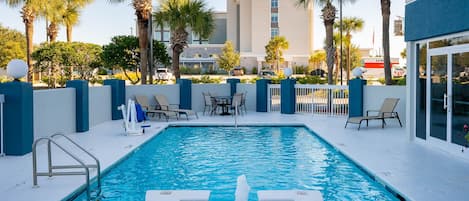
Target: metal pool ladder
50, 140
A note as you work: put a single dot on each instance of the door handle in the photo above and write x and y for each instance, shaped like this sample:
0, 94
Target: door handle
445, 101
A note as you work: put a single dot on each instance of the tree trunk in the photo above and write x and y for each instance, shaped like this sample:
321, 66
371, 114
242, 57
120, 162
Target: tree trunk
53, 32
328, 15
69, 33
28, 20
386, 12
330, 53
175, 58
143, 42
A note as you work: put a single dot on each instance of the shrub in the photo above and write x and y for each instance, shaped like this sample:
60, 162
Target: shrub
254, 70
311, 80
206, 79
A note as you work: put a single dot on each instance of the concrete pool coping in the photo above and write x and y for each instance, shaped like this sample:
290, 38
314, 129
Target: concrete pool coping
417, 172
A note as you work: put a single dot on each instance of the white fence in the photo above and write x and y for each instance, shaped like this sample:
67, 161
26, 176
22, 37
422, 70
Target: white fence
318, 99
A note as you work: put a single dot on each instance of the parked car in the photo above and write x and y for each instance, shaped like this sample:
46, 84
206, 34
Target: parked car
237, 71
318, 72
267, 74
398, 71
163, 74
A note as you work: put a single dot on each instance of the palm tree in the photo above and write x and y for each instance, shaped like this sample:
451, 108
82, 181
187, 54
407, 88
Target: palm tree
274, 50
53, 10
180, 15
143, 10
349, 25
71, 14
29, 14
328, 16
386, 12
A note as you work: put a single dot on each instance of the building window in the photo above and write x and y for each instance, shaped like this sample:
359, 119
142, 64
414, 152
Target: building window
197, 40
274, 18
274, 3
163, 36
273, 32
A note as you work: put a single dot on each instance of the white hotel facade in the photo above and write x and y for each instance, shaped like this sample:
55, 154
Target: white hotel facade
249, 25
252, 23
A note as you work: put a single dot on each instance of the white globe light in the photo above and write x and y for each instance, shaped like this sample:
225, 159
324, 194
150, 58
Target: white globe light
358, 72
17, 69
287, 72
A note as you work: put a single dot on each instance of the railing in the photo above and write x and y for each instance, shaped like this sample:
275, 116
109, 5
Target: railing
330, 100
81, 164
273, 98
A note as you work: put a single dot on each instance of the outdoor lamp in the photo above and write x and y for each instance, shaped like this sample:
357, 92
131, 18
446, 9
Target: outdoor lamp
358, 72
17, 69
287, 72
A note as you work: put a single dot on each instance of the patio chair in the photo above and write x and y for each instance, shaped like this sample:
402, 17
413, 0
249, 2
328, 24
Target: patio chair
210, 104
236, 103
386, 112
143, 101
242, 189
243, 102
164, 105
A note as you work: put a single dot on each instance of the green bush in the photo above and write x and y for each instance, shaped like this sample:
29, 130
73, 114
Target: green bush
300, 70
205, 80
189, 71
311, 80
254, 71
395, 81
102, 71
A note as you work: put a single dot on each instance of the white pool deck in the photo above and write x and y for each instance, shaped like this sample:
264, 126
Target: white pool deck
417, 172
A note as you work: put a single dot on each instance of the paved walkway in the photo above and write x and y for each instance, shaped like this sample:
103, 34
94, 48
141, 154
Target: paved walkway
415, 171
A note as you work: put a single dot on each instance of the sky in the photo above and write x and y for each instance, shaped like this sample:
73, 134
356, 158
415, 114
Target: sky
102, 20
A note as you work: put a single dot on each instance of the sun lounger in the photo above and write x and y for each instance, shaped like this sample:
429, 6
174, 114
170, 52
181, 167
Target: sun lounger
143, 101
289, 195
386, 112
177, 195
164, 105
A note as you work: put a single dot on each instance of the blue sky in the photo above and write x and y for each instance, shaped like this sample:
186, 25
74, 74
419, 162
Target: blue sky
102, 20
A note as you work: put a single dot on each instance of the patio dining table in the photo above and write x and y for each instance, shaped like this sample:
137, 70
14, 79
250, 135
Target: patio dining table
224, 102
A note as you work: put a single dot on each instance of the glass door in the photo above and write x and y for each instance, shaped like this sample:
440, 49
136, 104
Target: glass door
438, 66
460, 96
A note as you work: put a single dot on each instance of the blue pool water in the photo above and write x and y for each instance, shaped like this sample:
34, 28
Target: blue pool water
211, 158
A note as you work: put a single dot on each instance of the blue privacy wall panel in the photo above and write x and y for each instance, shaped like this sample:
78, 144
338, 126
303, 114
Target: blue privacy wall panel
262, 86
287, 96
185, 93
117, 96
430, 18
233, 82
356, 97
18, 124
82, 104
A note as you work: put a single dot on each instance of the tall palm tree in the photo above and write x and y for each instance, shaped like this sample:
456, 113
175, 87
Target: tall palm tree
53, 11
180, 15
143, 9
386, 12
349, 25
29, 14
71, 14
328, 17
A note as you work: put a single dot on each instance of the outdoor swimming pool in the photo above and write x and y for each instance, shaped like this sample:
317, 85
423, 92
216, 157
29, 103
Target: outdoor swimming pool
211, 158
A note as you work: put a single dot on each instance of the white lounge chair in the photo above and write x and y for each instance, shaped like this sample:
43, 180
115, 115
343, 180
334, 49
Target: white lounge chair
289, 195
177, 195
242, 189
